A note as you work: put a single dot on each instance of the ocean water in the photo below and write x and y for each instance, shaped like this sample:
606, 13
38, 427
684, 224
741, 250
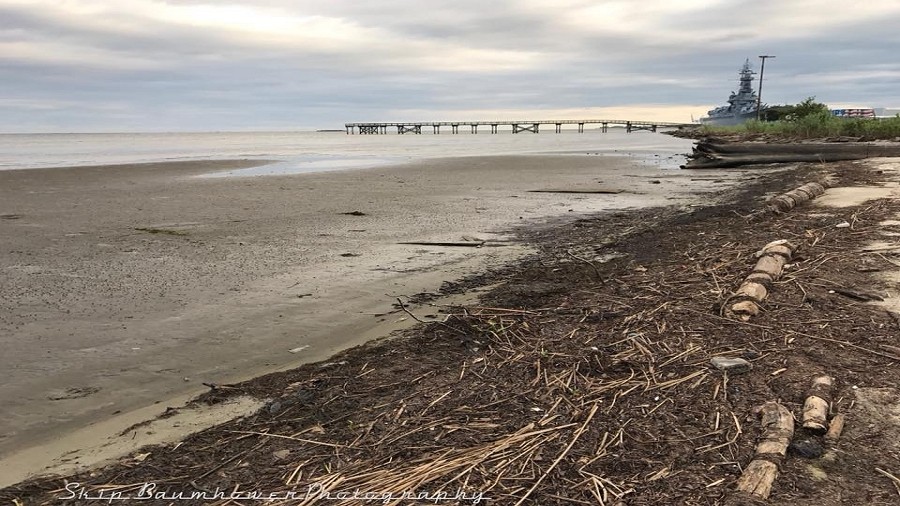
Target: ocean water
299, 152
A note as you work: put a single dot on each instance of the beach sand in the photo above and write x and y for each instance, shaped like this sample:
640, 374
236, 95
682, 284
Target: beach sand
127, 287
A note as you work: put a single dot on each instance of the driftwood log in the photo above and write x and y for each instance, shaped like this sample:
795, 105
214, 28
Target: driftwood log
787, 201
816, 407
713, 154
746, 301
835, 428
777, 431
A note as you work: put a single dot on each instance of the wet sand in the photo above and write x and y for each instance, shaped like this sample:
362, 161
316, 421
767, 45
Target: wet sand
125, 286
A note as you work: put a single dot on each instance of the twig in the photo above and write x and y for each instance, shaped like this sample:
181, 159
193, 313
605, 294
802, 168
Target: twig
310, 441
403, 307
578, 434
894, 479
596, 270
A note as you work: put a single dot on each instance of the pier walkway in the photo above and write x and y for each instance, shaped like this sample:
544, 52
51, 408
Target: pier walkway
532, 126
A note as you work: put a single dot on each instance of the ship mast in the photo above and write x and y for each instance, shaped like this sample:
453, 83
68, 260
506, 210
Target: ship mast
746, 88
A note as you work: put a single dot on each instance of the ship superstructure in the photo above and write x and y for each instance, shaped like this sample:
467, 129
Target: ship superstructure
741, 105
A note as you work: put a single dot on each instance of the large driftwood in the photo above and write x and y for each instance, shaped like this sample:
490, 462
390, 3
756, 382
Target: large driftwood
725, 155
753, 291
797, 148
731, 161
778, 429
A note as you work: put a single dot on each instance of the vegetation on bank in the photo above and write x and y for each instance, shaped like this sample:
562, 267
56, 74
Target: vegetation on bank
810, 119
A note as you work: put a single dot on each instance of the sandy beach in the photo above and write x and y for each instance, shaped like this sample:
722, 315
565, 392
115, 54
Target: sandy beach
126, 287
610, 345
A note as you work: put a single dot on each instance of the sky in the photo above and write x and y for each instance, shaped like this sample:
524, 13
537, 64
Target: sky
155, 65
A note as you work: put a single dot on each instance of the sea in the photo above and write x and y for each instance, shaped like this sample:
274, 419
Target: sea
317, 151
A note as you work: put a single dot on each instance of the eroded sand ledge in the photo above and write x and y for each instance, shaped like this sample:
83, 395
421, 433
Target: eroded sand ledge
129, 285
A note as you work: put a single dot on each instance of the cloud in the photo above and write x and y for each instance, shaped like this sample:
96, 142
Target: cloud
210, 64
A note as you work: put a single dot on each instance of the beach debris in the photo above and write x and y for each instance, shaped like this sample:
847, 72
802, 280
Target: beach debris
835, 428
607, 191
298, 349
894, 480
718, 154
638, 346
731, 365
755, 288
354, 213
451, 244
843, 224
164, 231
11, 216
777, 432
350, 254
818, 400
787, 201
215, 386
72, 393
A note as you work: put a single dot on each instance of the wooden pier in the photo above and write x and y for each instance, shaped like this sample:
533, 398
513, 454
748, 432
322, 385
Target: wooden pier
515, 126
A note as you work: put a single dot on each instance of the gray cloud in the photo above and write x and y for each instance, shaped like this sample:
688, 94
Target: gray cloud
154, 65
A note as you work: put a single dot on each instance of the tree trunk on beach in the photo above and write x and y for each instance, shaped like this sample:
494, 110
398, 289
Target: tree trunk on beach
719, 155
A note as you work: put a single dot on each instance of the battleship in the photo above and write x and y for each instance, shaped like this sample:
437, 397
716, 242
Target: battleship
741, 106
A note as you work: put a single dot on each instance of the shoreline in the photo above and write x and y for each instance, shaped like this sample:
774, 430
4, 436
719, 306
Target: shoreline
601, 369
146, 350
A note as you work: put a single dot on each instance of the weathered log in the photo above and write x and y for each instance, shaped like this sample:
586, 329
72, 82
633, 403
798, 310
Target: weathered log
782, 250
752, 290
798, 196
773, 265
815, 188
724, 155
731, 161
787, 201
804, 148
761, 278
779, 242
778, 429
835, 428
782, 203
758, 477
745, 309
806, 192
818, 400
755, 288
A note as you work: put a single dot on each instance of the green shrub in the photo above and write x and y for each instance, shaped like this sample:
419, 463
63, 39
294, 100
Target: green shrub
810, 119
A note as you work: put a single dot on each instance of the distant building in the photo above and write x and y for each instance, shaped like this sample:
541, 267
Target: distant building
853, 113
884, 112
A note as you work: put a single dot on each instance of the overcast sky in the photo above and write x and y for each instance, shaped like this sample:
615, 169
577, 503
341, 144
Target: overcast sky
154, 65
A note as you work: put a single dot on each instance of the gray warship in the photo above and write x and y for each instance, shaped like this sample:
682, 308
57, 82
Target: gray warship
741, 105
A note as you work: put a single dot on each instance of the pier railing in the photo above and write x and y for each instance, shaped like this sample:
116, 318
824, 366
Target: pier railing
516, 126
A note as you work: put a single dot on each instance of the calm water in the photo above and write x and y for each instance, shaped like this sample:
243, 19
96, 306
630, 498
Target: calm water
297, 152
